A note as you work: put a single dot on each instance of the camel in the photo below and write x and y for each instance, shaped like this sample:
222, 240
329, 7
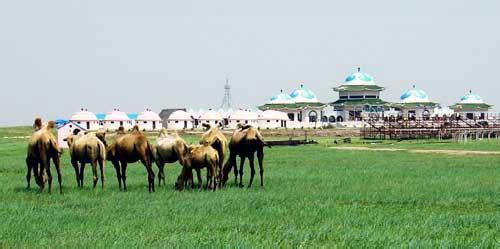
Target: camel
42, 147
130, 148
245, 141
168, 147
87, 148
214, 137
197, 157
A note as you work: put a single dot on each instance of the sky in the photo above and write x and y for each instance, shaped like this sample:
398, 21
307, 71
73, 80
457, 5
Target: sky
59, 56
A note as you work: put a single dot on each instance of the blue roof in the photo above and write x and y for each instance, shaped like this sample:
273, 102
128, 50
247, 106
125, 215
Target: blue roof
132, 116
100, 116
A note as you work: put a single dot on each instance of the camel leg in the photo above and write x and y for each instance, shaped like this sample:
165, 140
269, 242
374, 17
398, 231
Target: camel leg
233, 165
260, 158
82, 173
116, 164
49, 176
208, 179
124, 174
101, 166
77, 173
242, 163
161, 173
198, 174
94, 173
214, 176
29, 165
151, 174
57, 165
252, 169
44, 164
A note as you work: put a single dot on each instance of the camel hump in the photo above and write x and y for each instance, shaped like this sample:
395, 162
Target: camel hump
163, 133
37, 124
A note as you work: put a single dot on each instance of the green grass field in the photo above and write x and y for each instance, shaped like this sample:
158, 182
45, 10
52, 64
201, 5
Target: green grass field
313, 197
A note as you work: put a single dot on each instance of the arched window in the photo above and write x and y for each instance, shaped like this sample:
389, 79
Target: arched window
313, 116
340, 119
331, 119
426, 115
324, 119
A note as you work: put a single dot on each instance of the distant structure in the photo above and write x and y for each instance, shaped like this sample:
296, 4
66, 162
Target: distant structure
165, 114
227, 101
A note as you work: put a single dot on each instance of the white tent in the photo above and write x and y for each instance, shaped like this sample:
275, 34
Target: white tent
179, 120
271, 119
148, 120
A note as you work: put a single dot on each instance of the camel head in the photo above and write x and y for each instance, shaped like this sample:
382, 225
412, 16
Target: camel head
120, 130
135, 129
101, 135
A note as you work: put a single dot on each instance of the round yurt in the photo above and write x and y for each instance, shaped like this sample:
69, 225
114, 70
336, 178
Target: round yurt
85, 119
271, 119
116, 118
242, 117
148, 120
180, 120
210, 117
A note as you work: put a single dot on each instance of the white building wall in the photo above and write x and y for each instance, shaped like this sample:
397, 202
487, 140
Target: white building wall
113, 125
180, 124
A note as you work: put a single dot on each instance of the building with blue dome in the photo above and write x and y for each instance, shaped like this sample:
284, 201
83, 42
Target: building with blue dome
301, 106
415, 104
471, 106
359, 98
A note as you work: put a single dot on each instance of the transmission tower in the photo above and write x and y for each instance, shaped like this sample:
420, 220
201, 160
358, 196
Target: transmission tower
227, 101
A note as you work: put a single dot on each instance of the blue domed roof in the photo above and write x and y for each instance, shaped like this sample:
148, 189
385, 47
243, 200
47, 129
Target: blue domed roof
471, 98
303, 95
359, 78
414, 95
281, 98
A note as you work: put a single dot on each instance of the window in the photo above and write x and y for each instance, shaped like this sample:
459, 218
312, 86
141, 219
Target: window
269, 121
291, 116
356, 96
112, 122
343, 97
145, 122
331, 119
313, 116
371, 96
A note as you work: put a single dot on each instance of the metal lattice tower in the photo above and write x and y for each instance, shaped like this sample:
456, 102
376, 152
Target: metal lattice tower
227, 101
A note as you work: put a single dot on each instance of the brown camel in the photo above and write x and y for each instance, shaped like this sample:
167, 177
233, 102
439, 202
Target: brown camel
167, 150
42, 147
197, 157
245, 141
214, 137
87, 148
130, 148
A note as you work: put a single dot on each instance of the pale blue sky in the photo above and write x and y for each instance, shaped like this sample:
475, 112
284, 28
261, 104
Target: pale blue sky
57, 56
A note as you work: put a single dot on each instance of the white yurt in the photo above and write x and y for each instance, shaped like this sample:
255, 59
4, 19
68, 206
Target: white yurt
148, 120
271, 119
179, 120
85, 119
115, 119
242, 117
210, 117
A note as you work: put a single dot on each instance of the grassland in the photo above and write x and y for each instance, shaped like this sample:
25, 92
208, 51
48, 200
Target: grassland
313, 197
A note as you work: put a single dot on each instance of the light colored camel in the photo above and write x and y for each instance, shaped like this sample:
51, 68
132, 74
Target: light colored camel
167, 150
42, 147
214, 137
87, 148
197, 157
130, 148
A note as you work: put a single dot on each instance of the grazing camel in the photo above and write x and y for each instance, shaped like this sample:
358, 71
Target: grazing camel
197, 157
130, 148
245, 141
168, 147
214, 137
42, 147
87, 148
